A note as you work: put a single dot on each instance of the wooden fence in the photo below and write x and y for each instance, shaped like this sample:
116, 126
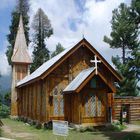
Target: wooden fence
131, 103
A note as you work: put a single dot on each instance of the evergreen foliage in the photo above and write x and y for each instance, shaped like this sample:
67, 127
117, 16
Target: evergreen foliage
7, 99
4, 105
59, 49
4, 111
42, 30
22, 7
125, 35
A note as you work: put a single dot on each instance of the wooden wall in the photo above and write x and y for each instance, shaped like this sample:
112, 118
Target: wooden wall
32, 101
36, 99
133, 102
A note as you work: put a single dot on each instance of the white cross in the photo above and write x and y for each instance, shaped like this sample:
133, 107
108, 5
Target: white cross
96, 62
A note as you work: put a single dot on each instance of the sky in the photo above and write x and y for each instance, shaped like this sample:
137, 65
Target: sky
70, 19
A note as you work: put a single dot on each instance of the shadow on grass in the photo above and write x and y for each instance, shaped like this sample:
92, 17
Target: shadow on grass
0, 132
119, 135
113, 133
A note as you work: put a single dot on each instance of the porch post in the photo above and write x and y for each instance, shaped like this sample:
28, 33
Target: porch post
110, 105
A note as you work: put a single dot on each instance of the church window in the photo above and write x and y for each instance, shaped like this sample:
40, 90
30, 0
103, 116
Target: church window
61, 106
93, 83
58, 103
90, 106
55, 91
56, 111
93, 106
99, 107
61, 92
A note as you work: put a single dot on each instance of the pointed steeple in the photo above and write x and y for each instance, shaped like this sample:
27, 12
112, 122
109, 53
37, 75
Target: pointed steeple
20, 53
21, 61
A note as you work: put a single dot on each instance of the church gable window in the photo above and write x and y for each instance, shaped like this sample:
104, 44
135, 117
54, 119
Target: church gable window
93, 83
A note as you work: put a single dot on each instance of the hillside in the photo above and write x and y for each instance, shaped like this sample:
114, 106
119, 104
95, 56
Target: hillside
5, 83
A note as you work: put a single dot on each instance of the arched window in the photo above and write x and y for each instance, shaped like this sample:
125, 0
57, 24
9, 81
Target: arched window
58, 104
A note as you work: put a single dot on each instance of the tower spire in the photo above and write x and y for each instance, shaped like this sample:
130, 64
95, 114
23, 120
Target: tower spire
20, 53
20, 61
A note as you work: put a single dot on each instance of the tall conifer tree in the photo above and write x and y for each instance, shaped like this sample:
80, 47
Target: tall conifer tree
125, 35
42, 30
59, 49
22, 7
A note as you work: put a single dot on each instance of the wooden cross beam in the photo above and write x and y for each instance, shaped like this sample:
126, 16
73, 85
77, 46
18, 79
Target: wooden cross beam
96, 63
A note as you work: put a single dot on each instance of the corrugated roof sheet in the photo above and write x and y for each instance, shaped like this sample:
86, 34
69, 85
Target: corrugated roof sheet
79, 79
20, 53
44, 67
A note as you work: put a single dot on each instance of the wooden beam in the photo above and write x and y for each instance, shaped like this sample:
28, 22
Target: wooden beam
108, 83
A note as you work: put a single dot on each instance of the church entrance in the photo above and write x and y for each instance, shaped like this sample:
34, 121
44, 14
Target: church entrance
93, 106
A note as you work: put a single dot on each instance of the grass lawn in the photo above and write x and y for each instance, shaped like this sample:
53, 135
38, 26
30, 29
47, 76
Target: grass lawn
20, 131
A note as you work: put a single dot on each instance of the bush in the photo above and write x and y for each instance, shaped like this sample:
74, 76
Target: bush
117, 126
4, 111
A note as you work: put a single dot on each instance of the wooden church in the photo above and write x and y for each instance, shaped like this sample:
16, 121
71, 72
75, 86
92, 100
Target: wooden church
77, 85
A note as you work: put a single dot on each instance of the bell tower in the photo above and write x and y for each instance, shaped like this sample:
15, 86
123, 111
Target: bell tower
20, 65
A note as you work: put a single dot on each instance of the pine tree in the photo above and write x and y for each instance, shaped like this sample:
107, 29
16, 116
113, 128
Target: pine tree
135, 11
59, 49
22, 7
42, 30
124, 35
135, 59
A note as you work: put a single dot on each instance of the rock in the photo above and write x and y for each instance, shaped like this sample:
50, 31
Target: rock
48, 125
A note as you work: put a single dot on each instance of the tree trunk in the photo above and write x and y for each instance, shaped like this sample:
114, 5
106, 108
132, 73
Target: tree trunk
123, 57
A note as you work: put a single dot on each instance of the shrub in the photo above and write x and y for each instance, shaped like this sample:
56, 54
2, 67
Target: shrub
117, 126
4, 111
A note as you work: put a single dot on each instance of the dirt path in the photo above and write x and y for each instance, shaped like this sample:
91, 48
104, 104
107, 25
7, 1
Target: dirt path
132, 127
12, 134
18, 130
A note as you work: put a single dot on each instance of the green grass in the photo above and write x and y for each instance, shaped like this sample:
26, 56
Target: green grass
20, 131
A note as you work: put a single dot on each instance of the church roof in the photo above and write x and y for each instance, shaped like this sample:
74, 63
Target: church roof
20, 52
80, 78
50, 65
44, 67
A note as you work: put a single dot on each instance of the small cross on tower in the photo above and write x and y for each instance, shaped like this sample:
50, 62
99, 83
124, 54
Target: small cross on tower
96, 62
